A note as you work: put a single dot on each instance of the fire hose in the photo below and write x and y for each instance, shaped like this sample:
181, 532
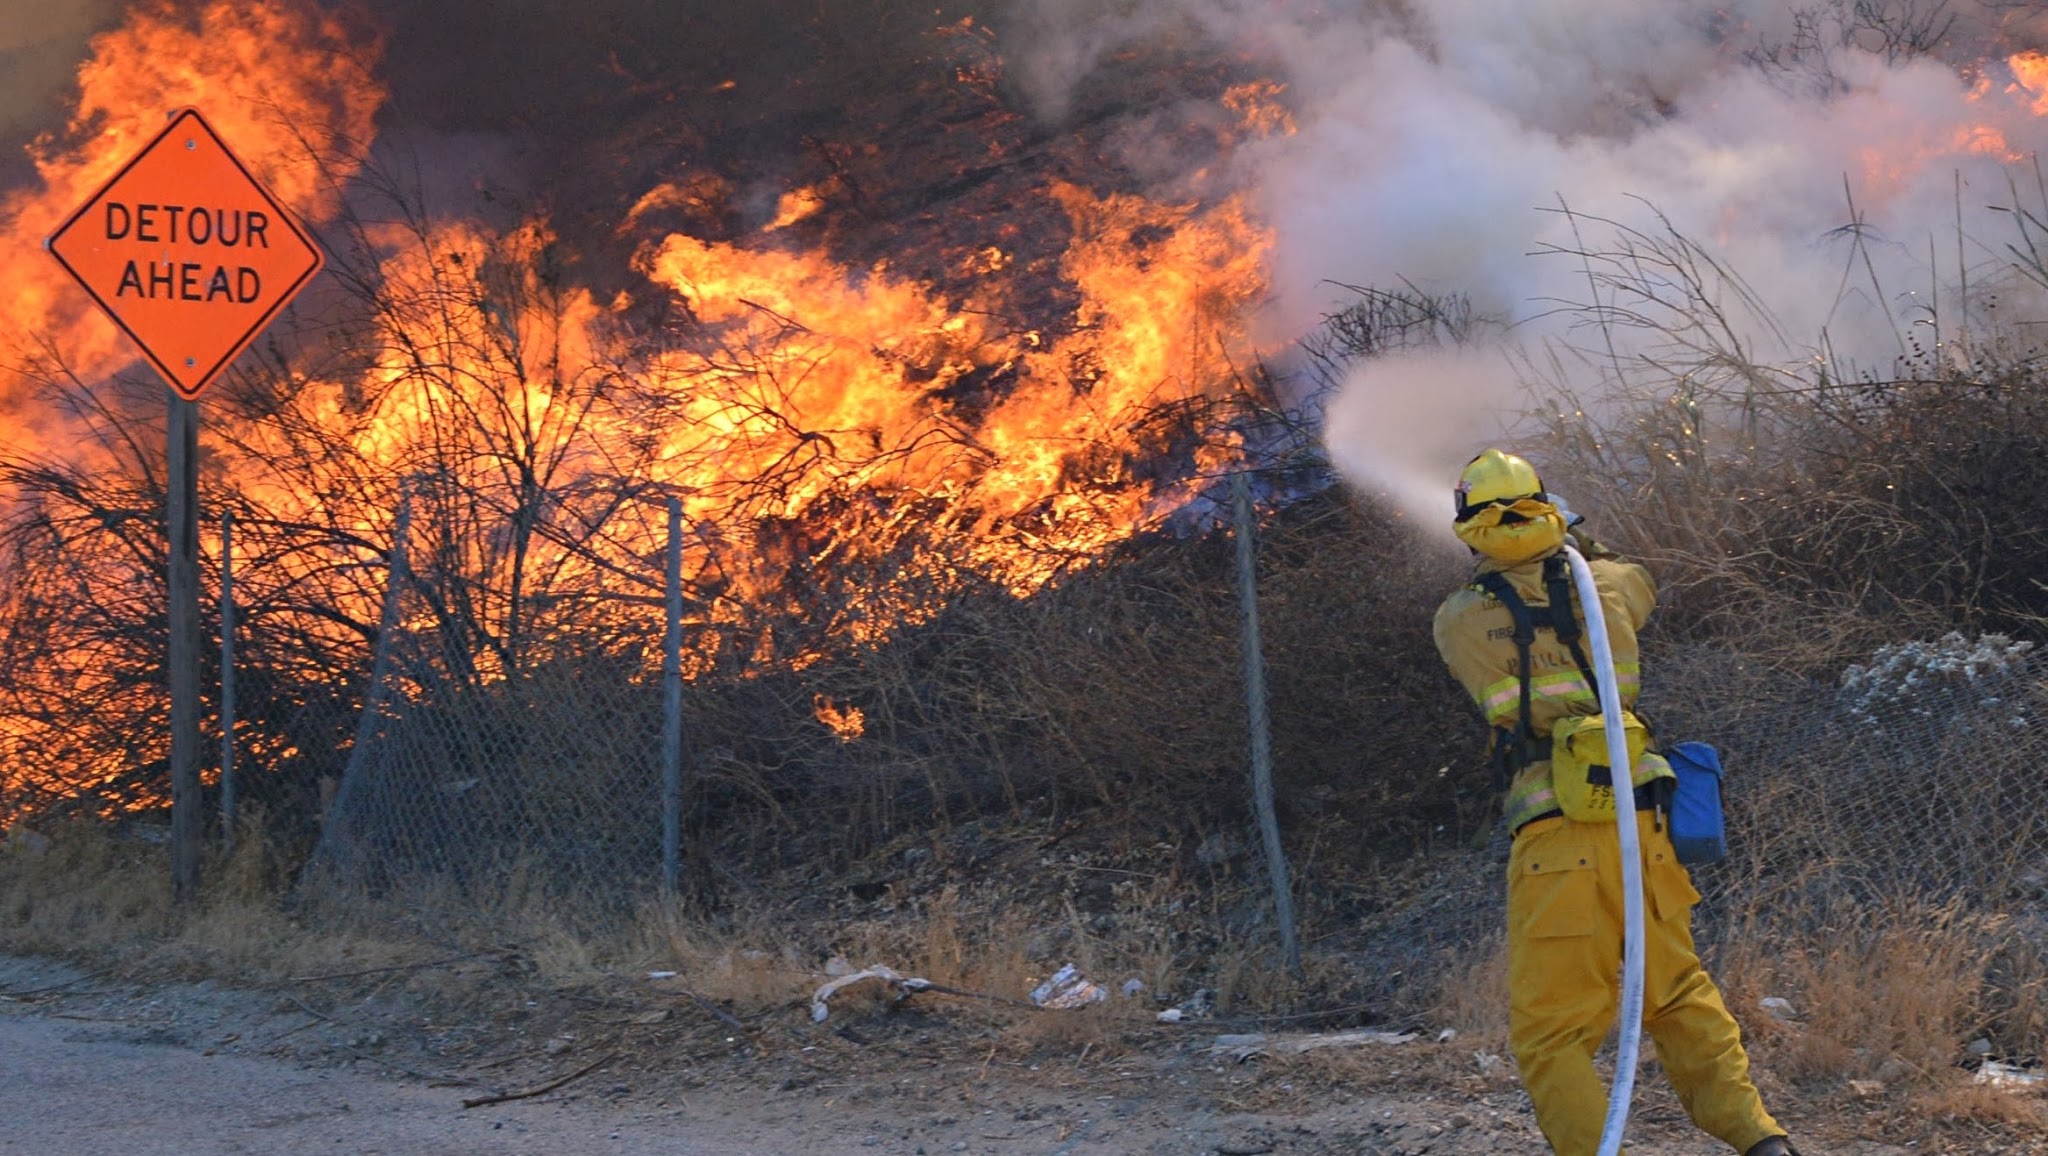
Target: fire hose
1631, 1021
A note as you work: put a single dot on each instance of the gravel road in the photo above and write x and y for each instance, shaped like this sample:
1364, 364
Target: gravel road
86, 1089
97, 1067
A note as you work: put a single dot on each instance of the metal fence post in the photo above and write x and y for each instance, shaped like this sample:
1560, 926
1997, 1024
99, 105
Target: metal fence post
672, 708
1262, 743
227, 682
334, 846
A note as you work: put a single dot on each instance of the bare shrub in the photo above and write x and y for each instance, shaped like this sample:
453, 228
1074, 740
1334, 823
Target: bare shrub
1796, 508
1897, 30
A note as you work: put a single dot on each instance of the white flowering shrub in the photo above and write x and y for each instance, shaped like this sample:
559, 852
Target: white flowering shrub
1921, 678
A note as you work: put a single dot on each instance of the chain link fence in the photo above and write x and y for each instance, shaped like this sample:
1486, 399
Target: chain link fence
551, 782
1911, 785
1917, 773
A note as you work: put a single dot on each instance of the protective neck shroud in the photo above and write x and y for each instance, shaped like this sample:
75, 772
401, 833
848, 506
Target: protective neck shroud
1515, 533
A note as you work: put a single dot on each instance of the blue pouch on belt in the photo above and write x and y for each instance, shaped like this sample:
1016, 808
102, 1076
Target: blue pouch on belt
1698, 831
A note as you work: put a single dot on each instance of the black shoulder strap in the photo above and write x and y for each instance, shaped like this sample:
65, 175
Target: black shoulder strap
1557, 587
1557, 584
1557, 618
1496, 583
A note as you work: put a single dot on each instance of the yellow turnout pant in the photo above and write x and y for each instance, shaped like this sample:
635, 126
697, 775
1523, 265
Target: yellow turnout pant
1564, 984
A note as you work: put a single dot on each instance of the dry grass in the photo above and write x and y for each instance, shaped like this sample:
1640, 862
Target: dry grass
1889, 993
1472, 997
1956, 1100
749, 969
91, 894
1889, 997
78, 889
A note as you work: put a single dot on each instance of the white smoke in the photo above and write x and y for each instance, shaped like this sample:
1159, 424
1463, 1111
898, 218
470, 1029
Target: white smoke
1438, 141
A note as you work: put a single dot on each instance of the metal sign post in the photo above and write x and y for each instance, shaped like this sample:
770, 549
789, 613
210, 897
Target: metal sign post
192, 257
227, 682
182, 516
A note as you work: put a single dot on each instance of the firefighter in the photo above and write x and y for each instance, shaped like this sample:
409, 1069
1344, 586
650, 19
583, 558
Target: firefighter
1565, 917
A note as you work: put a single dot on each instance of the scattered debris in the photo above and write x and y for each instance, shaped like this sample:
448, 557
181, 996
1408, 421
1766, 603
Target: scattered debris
1779, 1008
1900, 678
905, 986
2009, 1076
1133, 988
1068, 988
543, 1089
1866, 1089
887, 975
711, 1009
1195, 1007
706, 1006
499, 952
1489, 1063
431, 1079
1244, 1047
35, 992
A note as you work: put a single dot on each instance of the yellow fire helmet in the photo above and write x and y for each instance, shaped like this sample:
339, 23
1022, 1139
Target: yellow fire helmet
1503, 511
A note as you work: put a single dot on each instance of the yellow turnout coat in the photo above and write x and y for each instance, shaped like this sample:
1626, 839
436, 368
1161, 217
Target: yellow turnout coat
1565, 912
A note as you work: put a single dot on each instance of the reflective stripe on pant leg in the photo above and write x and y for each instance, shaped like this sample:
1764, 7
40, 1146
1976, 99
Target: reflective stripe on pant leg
1564, 944
1698, 1042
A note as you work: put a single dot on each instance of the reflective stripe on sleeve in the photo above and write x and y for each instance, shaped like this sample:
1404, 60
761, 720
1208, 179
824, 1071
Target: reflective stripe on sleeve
1502, 701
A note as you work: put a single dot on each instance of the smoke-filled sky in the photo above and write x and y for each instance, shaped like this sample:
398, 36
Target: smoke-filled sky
1436, 140
41, 45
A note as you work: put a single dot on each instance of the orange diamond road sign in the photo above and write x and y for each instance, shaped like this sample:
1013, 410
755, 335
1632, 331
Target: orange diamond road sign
187, 252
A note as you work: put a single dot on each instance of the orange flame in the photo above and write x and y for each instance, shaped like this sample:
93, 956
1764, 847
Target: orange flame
795, 206
1259, 109
815, 417
848, 722
286, 84
815, 357
2030, 70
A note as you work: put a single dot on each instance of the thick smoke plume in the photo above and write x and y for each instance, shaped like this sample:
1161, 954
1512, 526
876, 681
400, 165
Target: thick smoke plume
1440, 144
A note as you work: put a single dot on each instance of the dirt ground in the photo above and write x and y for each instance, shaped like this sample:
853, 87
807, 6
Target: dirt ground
93, 1065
